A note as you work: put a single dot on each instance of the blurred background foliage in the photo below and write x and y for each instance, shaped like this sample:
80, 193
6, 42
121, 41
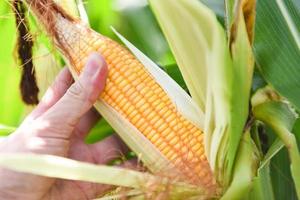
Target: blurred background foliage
134, 20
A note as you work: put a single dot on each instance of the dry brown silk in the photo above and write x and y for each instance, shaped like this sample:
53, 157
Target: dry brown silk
28, 84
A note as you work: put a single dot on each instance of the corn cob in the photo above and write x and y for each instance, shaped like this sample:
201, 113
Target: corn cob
134, 93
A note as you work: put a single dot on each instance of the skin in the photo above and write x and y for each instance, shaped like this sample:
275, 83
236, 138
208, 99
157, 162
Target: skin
58, 126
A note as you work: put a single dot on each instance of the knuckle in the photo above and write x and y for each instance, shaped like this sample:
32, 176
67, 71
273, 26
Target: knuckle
77, 91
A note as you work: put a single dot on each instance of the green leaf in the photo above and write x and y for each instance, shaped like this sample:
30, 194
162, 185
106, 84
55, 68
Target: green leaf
244, 170
243, 66
281, 118
262, 185
272, 151
282, 181
296, 130
277, 47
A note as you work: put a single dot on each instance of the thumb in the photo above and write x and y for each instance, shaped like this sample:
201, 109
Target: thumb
81, 96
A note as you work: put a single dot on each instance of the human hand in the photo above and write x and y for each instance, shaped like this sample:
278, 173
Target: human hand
58, 126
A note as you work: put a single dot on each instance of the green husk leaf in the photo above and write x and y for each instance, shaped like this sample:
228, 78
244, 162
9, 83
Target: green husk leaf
243, 66
59, 167
279, 116
144, 149
183, 23
262, 185
63, 168
277, 47
246, 164
273, 150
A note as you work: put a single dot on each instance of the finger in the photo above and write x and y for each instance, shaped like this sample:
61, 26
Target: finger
80, 97
87, 122
108, 149
59, 87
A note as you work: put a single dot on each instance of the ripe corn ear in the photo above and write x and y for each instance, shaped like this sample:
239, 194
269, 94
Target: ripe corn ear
133, 93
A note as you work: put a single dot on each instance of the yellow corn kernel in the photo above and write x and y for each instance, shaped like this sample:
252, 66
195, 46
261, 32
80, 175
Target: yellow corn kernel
136, 95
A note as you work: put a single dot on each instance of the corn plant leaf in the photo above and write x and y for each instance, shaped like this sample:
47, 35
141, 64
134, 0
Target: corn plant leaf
59, 167
282, 181
277, 46
244, 170
272, 151
262, 185
296, 130
275, 161
281, 118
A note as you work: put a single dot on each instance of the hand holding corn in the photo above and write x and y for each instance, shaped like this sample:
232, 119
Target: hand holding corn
57, 127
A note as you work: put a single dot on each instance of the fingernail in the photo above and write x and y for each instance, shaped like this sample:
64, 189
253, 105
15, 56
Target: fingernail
93, 65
